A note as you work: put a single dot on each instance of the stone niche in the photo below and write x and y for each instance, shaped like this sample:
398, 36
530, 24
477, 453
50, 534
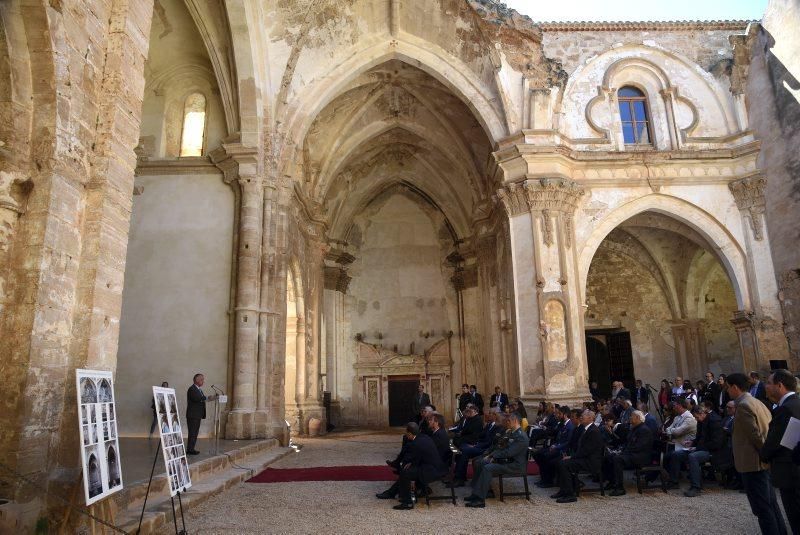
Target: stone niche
377, 366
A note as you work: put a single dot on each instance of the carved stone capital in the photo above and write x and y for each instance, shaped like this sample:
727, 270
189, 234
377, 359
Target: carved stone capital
553, 194
512, 197
336, 278
749, 196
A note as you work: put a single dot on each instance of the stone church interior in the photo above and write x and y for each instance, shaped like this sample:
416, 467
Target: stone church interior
320, 205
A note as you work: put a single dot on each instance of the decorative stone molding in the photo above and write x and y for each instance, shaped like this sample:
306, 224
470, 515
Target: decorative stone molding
541, 195
675, 25
336, 278
749, 195
553, 194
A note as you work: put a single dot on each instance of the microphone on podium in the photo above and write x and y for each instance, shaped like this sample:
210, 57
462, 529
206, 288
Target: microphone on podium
218, 390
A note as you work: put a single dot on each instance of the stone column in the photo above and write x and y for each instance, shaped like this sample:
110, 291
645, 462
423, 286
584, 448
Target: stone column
691, 355
549, 318
761, 336
240, 165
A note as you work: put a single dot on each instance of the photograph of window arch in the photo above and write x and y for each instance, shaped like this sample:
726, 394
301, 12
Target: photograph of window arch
102, 472
171, 439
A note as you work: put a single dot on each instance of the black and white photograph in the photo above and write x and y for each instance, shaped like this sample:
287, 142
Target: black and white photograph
168, 418
100, 458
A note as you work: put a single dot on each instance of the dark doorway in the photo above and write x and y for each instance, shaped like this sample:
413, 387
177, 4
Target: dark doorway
401, 395
599, 366
609, 358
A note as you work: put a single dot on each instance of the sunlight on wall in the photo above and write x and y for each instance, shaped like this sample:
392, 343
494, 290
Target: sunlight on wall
194, 122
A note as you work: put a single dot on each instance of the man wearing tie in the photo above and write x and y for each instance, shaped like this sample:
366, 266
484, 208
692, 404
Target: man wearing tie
498, 399
475, 398
640, 394
421, 400
195, 411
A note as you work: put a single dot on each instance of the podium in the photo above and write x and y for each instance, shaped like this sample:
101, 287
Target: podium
221, 399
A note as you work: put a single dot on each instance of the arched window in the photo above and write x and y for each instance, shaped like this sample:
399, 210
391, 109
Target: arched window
194, 124
635, 120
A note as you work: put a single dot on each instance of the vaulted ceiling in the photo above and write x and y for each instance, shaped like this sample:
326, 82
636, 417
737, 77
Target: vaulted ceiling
396, 124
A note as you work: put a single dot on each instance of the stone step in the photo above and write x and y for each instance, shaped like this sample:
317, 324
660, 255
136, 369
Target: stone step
209, 477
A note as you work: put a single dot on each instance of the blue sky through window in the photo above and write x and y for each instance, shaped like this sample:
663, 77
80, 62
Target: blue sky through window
638, 10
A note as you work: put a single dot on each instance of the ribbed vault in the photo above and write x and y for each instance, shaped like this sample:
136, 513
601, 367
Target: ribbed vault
396, 124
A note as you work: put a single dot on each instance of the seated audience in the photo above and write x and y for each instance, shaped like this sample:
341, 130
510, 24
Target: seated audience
546, 427
547, 458
649, 419
510, 456
468, 428
588, 456
681, 432
492, 431
423, 464
440, 437
637, 452
708, 441
423, 427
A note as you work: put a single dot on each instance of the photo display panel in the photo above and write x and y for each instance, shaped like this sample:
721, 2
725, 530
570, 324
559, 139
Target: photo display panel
97, 416
169, 425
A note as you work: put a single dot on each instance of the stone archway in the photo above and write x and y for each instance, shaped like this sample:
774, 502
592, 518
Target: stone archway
295, 386
662, 284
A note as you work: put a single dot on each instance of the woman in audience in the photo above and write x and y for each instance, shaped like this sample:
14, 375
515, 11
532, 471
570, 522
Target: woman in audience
664, 394
520, 409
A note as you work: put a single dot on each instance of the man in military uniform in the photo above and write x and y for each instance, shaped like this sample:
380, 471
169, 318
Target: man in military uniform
509, 457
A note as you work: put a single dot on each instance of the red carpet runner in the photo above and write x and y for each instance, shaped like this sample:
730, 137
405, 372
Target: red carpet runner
340, 473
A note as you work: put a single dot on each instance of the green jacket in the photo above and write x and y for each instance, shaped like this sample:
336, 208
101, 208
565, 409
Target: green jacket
514, 454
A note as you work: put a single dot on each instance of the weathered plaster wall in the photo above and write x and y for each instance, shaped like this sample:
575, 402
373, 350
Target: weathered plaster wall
399, 281
724, 355
773, 93
177, 293
621, 293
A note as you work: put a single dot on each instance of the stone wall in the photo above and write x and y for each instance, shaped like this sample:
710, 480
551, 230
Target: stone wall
773, 91
177, 292
84, 75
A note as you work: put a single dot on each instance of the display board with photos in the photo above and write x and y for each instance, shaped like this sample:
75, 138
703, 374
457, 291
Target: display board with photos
100, 460
169, 425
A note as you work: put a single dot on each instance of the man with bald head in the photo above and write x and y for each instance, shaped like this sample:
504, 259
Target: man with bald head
588, 457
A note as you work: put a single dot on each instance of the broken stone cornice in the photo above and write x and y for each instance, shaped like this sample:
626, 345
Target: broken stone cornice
671, 25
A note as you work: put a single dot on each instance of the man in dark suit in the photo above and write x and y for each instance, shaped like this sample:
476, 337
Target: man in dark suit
476, 399
712, 391
424, 464
781, 388
195, 411
465, 398
492, 431
637, 452
440, 437
498, 399
757, 389
547, 458
640, 394
468, 428
708, 443
588, 456
421, 400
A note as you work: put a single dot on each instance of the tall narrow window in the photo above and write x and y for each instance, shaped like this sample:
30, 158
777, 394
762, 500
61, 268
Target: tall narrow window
633, 112
194, 124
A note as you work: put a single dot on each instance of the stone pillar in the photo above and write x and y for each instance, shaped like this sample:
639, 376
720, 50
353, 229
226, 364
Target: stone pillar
761, 336
301, 381
240, 165
691, 355
549, 317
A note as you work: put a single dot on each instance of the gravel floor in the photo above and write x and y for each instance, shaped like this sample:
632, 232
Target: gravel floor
349, 507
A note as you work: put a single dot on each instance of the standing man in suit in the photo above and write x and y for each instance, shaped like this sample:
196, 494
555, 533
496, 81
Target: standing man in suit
750, 427
476, 399
782, 390
498, 399
640, 394
757, 389
712, 391
465, 398
638, 451
588, 456
195, 411
421, 400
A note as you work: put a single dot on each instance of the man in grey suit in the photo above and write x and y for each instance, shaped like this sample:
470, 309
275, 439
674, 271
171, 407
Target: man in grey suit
749, 432
421, 400
782, 390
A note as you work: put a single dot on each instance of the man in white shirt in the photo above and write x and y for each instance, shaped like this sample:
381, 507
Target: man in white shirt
677, 387
682, 431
